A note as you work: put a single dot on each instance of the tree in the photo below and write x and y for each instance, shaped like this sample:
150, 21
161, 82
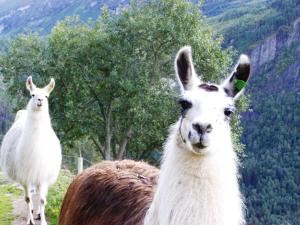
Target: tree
115, 75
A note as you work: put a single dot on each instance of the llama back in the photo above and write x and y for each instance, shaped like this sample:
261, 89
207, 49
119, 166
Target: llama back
9, 145
117, 193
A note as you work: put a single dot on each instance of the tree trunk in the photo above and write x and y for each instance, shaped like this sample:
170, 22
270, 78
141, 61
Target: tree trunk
124, 142
108, 133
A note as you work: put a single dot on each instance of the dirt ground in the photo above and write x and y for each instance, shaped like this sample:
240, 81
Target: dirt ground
20, 211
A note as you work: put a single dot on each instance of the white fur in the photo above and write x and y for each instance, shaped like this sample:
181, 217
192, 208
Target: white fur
199, 186
244, 59
30, 151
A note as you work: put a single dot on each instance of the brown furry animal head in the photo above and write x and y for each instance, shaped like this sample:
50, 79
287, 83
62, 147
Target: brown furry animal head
110, 193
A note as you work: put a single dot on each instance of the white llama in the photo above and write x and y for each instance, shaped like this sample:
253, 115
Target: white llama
198, 181
30, 151
199, 177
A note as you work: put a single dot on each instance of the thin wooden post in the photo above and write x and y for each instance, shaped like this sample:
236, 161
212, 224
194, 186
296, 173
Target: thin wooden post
80, 165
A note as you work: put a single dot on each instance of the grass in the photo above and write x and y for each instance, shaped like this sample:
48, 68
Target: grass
56, 195
7, 193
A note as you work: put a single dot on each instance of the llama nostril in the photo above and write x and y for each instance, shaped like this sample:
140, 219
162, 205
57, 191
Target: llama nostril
209, 128
198, 128
202, 129
39, 99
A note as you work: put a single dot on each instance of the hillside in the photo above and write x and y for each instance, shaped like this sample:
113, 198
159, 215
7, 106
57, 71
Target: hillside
269, 31
30, 15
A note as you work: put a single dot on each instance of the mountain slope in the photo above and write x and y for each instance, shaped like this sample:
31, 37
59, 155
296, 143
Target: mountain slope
269, 31
30, 15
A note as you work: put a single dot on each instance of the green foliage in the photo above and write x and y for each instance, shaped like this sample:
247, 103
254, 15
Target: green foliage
56, 195
5, 110
271, 189
114, 75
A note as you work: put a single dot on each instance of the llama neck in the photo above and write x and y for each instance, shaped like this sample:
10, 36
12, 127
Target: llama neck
37, 119
195, 189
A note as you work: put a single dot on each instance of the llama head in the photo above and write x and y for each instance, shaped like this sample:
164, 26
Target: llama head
39, 96
205, 107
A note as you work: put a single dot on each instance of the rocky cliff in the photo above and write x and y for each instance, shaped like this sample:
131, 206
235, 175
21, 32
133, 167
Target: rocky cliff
273, 45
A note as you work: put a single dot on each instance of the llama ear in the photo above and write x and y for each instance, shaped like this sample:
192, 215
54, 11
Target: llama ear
236, 82
49, 88
29, 84
184, 68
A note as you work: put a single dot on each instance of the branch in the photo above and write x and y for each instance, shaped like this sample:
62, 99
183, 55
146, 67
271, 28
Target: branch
99, 146
94, 94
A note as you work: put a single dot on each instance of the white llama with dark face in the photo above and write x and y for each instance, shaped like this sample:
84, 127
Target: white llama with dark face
30, 151
198, 184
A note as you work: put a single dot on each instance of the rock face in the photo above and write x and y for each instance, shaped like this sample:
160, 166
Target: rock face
264, 52
291, 78
295, 35
272, 46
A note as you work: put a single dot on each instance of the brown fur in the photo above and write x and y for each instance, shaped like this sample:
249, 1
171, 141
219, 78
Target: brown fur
110, 193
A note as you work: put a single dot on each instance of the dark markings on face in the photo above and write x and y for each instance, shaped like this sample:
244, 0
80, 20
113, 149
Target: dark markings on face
227, 91
208, 87
185, 106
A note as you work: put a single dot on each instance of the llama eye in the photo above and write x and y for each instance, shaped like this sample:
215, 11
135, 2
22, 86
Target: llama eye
46, 96
228, 111
32, 95
185, 105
